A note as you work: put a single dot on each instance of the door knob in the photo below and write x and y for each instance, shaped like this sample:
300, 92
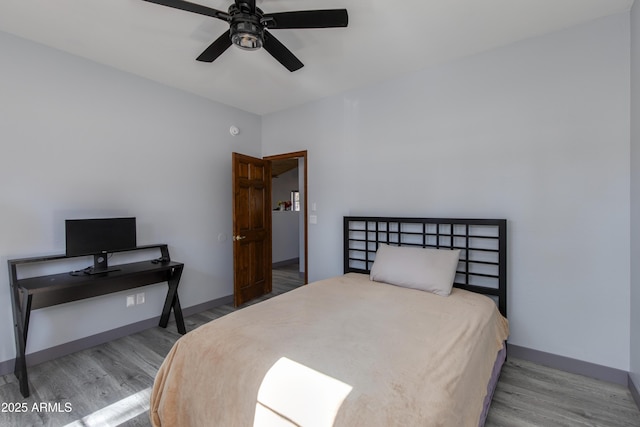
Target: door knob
235, 238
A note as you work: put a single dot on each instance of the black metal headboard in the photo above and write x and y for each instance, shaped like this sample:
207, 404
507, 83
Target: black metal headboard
482, 243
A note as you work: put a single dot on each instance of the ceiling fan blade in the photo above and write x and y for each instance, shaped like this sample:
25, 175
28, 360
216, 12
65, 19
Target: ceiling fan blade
192, 7
216, 48
307, 19
281, 53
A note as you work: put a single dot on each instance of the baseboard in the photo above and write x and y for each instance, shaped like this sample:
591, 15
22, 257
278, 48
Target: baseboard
51, 353
199, 308
7, 366
570, 365
635, 391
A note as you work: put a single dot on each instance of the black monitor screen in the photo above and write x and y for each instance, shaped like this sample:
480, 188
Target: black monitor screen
94, 236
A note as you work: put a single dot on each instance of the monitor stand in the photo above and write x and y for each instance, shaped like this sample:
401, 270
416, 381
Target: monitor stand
100, 265
94, 270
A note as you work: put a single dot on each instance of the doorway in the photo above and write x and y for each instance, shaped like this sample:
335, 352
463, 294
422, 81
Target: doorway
285, 203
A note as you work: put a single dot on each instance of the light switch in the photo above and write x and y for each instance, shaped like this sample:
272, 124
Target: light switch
313, 219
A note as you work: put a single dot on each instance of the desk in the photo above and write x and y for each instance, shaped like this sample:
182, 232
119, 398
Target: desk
45, 291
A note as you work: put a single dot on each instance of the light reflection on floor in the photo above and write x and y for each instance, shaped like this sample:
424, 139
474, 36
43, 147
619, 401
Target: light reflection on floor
118, 412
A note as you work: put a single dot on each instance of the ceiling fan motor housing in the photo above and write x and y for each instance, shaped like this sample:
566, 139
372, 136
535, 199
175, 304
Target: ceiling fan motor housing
246, 29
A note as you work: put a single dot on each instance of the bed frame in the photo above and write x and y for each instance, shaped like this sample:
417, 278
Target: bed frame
482, 243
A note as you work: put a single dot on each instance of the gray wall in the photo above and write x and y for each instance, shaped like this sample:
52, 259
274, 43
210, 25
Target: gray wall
285, 233
536, 132
635, 194
81, 139
285, 241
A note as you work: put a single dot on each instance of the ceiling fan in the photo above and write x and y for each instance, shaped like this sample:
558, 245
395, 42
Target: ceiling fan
248, 27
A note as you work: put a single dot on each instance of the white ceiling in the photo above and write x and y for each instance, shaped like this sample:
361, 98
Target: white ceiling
384, 39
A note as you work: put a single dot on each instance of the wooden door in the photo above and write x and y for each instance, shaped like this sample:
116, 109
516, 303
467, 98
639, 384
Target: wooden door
251, 228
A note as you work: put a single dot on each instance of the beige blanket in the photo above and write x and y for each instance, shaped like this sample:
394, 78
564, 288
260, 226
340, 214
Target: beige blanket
339, 352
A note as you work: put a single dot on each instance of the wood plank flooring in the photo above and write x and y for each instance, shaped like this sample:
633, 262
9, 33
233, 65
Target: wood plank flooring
109, 385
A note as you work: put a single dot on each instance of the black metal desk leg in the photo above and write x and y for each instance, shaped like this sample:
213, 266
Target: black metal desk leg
172, 301
22, 300
177, 312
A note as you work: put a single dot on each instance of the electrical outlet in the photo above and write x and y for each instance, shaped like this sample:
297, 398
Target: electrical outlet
140, 298
131, 300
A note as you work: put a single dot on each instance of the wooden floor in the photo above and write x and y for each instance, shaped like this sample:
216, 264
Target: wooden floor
109, 385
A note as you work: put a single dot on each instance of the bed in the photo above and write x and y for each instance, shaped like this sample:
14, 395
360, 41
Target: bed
351, 351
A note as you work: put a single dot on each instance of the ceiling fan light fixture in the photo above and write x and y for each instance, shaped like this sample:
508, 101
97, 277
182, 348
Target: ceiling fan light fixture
247, 35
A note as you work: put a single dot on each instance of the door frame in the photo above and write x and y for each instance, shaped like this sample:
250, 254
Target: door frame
297, 155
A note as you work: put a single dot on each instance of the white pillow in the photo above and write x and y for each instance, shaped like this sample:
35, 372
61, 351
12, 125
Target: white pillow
426, 269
